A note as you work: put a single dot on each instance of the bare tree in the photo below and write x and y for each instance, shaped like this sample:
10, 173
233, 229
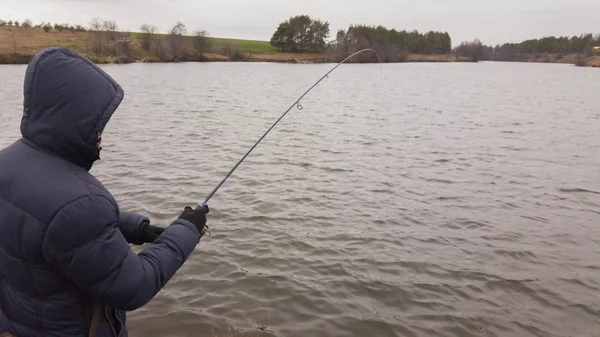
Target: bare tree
110, 27
176, 41
473, 50
14, 44
178, 29
201, 41
148, 36
96, 26
163, 50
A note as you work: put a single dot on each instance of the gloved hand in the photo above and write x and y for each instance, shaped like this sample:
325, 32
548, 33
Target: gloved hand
151, 233
197, 217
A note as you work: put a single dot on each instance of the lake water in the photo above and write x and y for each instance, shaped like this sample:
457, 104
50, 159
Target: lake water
412, 200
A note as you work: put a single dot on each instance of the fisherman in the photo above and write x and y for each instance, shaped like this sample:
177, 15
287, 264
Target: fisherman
66, 267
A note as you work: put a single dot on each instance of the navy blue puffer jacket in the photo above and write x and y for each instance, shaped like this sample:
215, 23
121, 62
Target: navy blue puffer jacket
64, 244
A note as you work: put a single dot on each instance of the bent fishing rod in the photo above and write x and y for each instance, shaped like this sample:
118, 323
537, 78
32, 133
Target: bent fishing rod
295, 104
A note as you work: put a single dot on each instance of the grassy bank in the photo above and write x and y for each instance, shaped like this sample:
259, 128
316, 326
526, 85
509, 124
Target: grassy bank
19, 44
593, 61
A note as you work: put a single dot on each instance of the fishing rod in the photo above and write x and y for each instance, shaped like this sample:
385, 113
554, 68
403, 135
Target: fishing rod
298, 106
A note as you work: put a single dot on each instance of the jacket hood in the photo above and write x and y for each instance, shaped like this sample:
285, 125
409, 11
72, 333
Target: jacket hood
68, 100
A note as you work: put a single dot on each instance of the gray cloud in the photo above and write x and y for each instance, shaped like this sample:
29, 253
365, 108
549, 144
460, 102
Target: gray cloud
491, 21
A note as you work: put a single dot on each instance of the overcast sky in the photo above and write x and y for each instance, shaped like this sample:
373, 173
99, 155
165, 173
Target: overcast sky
492, 21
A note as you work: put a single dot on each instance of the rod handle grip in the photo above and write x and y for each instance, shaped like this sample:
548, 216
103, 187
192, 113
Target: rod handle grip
205, 207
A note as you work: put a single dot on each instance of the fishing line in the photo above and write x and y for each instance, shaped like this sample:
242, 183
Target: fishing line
296, 105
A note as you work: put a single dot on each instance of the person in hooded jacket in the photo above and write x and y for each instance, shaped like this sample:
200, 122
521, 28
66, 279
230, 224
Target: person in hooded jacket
66, 267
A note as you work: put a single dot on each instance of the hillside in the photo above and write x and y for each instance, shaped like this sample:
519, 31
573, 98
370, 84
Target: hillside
19, 44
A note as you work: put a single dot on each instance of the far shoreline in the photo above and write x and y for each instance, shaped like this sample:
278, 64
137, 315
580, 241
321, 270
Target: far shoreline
252, 57
296, 58
18, 45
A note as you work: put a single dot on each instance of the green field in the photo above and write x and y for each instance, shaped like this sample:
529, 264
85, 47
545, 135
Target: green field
245, 45
20, 44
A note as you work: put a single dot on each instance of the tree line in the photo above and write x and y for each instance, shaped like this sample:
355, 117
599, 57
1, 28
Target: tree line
46, 26
583, 44
390, 44
176, 45
302, 33
105, 40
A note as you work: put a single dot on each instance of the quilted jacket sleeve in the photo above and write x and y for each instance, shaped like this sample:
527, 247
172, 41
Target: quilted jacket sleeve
131, 225
84, 242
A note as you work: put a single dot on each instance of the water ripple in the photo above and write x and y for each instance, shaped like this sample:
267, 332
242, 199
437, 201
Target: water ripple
463, 207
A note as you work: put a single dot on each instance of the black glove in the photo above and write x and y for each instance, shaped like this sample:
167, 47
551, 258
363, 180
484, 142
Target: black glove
196, 216
151, 233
